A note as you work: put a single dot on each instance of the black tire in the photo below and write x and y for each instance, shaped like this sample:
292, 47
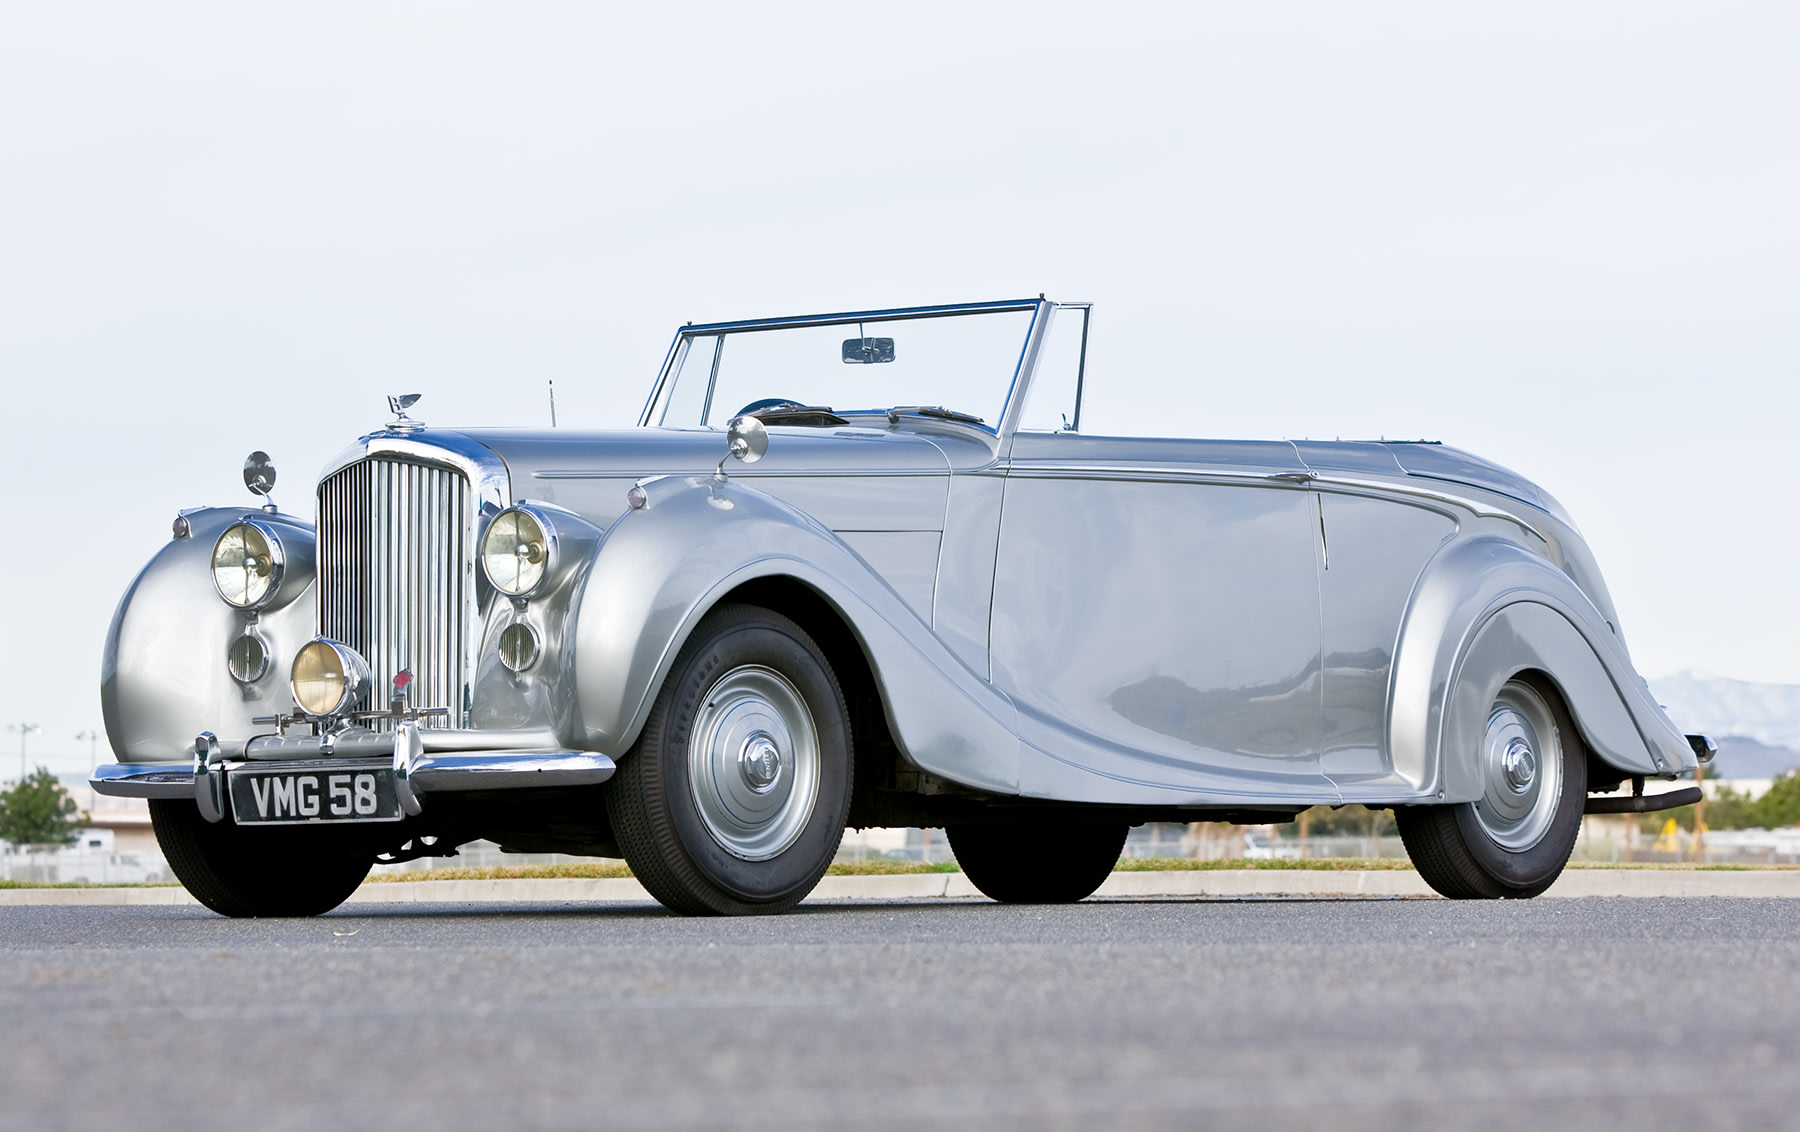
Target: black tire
685, 814
1038, 863
257, 872
1459, 850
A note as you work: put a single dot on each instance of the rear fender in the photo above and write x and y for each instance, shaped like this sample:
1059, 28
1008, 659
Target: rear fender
1485, 610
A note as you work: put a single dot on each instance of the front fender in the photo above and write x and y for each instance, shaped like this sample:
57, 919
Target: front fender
1483, 610
660, 569
541, 695
163, 678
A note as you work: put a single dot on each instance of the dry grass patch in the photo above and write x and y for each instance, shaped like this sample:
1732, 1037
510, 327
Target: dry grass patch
80, 884
1682, 866
1317, 864
612, 869
881, 868
581, 870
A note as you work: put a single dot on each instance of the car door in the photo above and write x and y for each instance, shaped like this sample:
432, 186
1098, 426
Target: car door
1375, 545
1156, 618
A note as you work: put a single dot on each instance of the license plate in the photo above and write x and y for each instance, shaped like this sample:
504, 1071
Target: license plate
314, 794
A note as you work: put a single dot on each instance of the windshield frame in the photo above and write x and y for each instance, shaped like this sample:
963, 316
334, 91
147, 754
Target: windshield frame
1015, 394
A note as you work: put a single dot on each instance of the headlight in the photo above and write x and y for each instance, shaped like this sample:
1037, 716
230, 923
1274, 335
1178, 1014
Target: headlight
328, 678
247, 562
516, 552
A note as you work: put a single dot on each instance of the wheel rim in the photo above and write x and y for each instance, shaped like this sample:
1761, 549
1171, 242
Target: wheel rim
753, 762
1521, 764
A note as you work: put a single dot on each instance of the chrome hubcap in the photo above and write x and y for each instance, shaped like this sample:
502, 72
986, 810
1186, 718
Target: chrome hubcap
753, 762
1521, 769
1519, 764
759, 761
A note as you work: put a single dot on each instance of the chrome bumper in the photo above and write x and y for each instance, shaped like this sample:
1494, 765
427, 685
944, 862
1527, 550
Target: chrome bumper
425, 761
144, 780
1704, 748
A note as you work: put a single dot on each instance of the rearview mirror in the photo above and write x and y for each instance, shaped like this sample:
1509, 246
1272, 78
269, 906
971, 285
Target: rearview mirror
867, 351
259, 474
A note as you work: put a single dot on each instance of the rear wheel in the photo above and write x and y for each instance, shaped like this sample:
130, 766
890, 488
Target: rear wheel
734, 799
1040, 862
1514, 840
257, 872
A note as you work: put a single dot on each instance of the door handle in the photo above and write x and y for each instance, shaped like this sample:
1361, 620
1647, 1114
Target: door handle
1293, 477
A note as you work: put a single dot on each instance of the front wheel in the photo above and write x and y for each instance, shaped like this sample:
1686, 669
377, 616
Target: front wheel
734, 798
1515, 839
257, 872
1039, 862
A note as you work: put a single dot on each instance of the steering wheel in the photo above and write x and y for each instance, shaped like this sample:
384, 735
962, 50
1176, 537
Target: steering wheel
769, 403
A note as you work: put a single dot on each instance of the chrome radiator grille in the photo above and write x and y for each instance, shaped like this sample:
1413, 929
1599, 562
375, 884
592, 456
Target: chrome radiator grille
396, 576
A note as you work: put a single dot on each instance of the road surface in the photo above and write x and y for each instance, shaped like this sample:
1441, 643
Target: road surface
1266, 1014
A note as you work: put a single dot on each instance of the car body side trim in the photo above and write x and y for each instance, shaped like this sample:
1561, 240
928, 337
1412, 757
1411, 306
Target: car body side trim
1318, 480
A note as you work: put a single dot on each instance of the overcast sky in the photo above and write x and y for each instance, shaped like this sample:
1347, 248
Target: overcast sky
1563, 236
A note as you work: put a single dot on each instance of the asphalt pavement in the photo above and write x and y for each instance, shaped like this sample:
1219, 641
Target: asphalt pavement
1252, 1013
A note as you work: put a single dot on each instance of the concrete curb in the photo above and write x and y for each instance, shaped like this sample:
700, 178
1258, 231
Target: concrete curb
1216, 883
110, 896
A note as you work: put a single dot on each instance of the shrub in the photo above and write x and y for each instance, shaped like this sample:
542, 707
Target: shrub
38, 811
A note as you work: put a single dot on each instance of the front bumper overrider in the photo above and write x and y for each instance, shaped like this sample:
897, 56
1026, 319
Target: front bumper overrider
425, 761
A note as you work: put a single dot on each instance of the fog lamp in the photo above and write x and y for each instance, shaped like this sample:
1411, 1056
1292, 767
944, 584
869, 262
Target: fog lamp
247, 659
328, 678
518, 647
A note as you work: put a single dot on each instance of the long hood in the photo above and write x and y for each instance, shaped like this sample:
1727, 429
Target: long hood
639, 452
849, 479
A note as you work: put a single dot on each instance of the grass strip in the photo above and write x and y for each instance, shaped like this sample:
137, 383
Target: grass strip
611, 869
1683, 866
600, 869
1306, 864
614, 869
880, 868
581, 870
81, 884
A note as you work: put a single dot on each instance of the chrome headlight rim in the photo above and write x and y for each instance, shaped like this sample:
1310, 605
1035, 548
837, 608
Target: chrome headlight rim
345, 666
271, 580
540, 571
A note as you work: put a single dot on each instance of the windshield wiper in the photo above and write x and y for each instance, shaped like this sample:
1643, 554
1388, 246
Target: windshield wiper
789, 413
894, 414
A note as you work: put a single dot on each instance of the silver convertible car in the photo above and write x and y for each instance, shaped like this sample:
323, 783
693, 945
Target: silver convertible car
866, 570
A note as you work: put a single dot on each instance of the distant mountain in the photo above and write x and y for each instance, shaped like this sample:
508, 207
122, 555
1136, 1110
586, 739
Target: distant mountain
1757, 726
1746, 758
1713, 705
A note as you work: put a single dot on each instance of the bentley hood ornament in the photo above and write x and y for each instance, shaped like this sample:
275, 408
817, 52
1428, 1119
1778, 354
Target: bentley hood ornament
398, 405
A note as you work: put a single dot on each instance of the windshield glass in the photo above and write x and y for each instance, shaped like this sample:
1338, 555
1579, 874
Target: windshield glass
962, 362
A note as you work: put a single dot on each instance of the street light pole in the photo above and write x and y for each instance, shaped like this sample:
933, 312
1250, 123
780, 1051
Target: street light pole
93, 741
23, 729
